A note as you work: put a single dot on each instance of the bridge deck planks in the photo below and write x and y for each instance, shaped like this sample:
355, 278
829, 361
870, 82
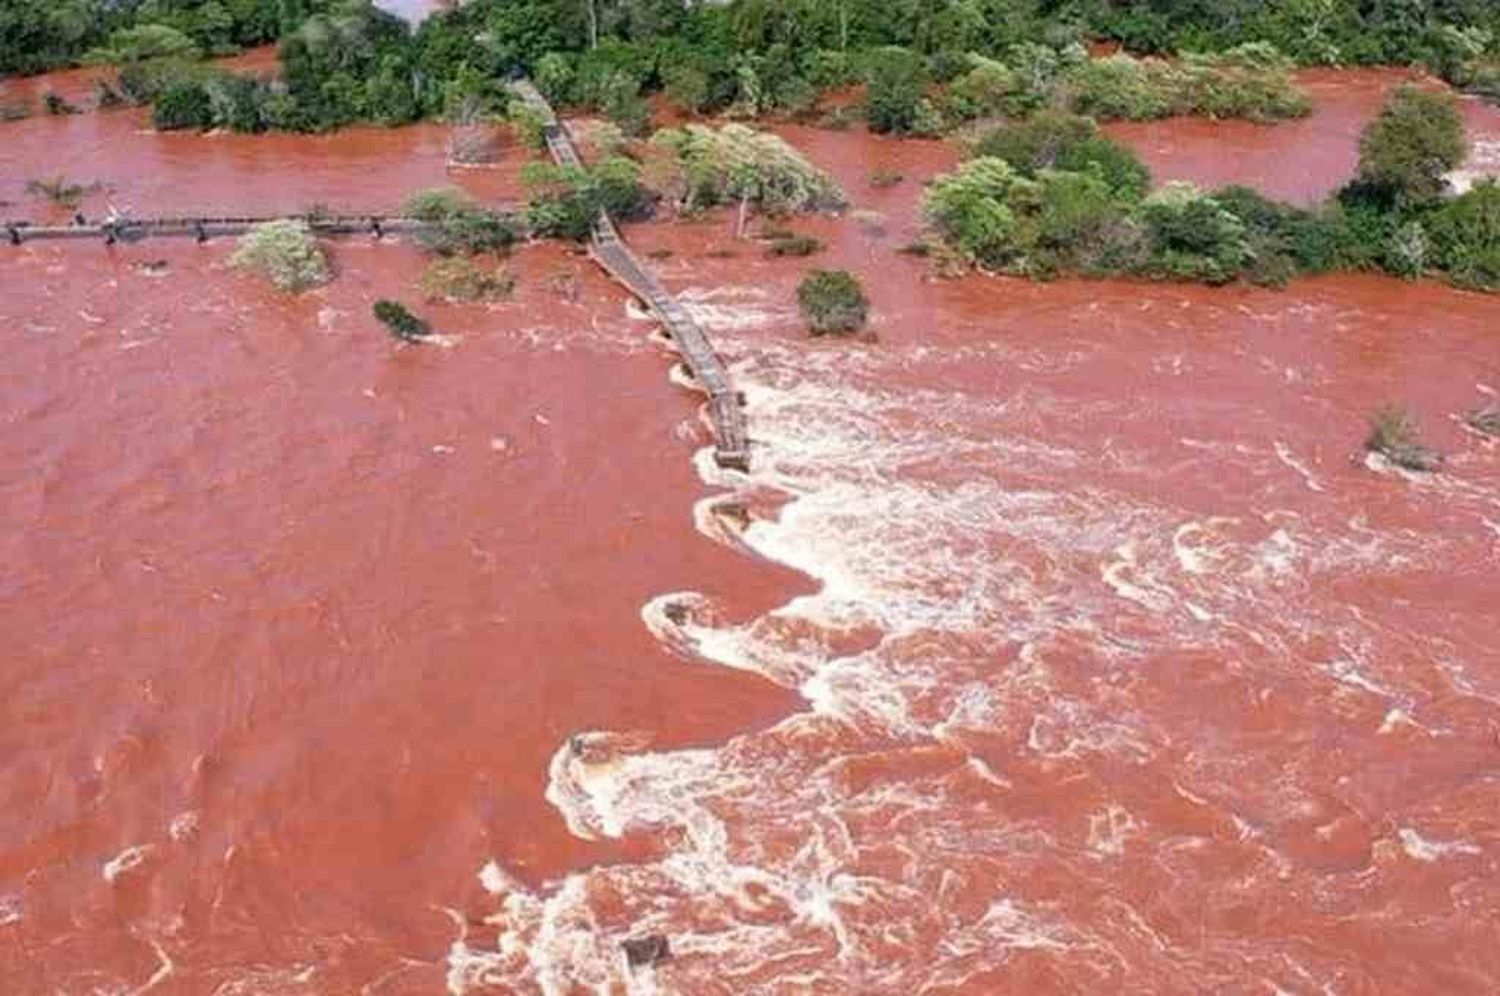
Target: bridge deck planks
610, 251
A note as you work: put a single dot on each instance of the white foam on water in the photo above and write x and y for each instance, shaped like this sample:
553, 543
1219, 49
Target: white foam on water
1125, 578
1285, 455
1109, 830
10, 910
290, 980
1422, 849
731, 309
184, 826
976, 607
127, 861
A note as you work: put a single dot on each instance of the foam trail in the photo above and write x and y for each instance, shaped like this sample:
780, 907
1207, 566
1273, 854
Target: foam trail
989, 660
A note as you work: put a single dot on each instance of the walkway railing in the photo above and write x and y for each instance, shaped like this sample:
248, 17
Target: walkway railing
732, 445
202, 228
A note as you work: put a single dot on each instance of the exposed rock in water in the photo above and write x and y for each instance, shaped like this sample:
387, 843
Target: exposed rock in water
734, 511
647, 950
1413, 456
1485, 420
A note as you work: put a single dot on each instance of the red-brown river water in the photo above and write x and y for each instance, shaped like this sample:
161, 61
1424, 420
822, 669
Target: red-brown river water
1070, 649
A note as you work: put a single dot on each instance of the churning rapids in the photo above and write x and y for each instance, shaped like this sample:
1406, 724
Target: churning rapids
1058, 641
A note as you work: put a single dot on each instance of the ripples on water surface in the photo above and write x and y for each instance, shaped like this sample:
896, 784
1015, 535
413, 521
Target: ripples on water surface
1115, 671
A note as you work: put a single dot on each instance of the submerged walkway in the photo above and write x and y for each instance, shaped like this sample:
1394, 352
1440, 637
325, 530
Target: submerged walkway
202, 228
610, 251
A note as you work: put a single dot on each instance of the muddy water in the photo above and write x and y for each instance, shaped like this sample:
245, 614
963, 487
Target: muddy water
1116, 670
124, 165
1302, 160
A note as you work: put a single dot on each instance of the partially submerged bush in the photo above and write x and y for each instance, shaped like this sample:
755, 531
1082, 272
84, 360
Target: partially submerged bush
1285, 240
1411, 146
56, 105
1252, 81
1465, 235
60, 190
285, 253
1393, 434
791, 244
453, 224
705, 167
183, 104
833, 302
106, 96
975, 210
457, 279
1193, 237
1055, 140
993, 215
565, 201
1485, 420
401, 323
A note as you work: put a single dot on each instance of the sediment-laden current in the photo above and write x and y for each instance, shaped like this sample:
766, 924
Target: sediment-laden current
1072, 644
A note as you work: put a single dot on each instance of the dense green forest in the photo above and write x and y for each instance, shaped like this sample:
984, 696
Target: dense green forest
758, 54
37, 35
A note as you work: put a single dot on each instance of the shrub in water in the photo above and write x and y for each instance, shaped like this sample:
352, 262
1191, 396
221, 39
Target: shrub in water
1465, 235
565, 200
183, 103
59, 190
1393, 434
401, 323
1054, 140
1078, 225
1192, 237
56, 105
285, 253
1119, 87
794, 245
704, 167
832, 302
453, 224
1408, 150
1485, 420
1252, 81
459, 279
974, 209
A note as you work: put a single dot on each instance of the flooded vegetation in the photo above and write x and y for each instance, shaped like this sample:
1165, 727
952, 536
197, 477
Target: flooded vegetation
379, 620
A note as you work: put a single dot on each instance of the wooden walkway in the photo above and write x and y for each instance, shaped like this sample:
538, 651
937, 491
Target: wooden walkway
17, 233
610, 251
